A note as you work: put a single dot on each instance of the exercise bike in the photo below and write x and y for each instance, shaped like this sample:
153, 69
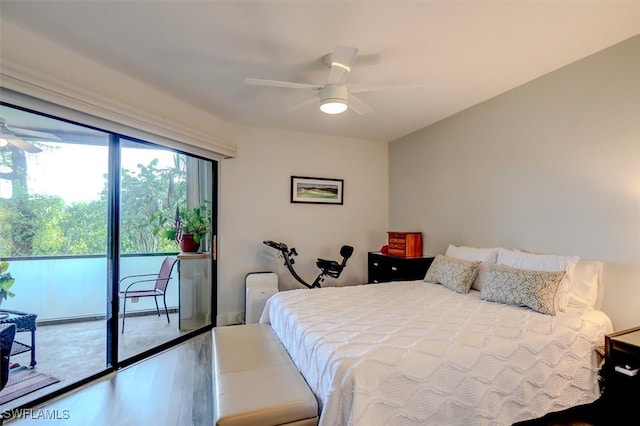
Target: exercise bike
328, 268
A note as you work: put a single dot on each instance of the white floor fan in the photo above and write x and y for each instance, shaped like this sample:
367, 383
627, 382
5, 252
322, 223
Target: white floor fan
336, 95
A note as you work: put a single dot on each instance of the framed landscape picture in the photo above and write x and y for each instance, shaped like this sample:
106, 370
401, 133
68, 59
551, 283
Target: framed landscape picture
316, 190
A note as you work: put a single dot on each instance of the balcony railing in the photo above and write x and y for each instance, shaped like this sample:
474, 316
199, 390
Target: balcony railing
67, 288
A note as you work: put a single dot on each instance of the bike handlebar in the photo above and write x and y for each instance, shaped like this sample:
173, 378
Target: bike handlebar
278, 246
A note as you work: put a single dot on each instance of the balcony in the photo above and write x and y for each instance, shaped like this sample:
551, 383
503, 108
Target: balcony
69, 296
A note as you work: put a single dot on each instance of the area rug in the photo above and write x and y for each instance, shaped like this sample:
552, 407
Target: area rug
24, 381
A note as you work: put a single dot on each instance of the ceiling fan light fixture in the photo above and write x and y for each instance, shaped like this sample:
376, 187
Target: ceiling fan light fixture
333, 99
333, 106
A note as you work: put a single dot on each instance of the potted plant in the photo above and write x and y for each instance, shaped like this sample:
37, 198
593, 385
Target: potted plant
189, 226
6, 282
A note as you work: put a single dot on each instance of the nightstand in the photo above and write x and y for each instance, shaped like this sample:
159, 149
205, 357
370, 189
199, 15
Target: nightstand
383, 268
621, 370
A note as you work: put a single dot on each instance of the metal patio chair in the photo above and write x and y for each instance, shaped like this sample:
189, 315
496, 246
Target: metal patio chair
160, 281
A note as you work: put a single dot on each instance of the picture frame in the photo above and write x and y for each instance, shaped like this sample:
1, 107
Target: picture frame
315, 190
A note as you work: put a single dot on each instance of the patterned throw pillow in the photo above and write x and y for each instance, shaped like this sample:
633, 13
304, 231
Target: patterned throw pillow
455, 274
543, 262
537, 290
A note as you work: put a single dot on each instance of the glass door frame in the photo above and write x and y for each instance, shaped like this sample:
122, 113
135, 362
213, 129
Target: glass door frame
113, 363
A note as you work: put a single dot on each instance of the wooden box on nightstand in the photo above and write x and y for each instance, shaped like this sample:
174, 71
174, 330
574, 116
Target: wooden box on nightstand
405, 244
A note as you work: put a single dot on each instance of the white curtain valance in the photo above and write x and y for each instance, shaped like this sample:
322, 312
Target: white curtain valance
28, 90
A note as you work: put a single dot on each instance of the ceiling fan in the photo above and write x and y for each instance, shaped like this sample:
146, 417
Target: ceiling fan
336, 96
16, 137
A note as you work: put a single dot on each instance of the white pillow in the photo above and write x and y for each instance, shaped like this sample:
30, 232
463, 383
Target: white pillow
484, 255
586, 283
543, 262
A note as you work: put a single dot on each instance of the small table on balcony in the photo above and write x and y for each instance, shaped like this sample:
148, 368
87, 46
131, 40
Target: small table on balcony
24, 321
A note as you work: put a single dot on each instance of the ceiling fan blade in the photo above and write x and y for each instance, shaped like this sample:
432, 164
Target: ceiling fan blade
341, 62
22, 144
301, 105
276, 83
33, 134
388, 85
358, 106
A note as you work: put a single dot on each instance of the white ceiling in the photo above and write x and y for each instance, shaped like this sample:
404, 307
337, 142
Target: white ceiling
201, 51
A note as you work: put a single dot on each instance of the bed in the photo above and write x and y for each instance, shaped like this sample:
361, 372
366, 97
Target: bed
419, 352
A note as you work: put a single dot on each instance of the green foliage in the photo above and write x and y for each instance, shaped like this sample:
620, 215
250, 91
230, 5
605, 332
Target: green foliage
147, 193
19, 216
45, 226
39, 225
6, 281
83, 228
196, 221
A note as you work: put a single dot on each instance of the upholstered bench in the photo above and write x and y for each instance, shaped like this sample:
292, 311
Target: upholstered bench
256, 383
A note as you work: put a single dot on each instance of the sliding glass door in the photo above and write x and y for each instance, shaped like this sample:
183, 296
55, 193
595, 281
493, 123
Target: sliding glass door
82, 209
159, 188
53, 228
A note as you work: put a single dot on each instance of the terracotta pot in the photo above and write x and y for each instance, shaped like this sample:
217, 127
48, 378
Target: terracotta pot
188, 244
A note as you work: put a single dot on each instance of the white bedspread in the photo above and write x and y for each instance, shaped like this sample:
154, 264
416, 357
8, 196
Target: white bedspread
418, 353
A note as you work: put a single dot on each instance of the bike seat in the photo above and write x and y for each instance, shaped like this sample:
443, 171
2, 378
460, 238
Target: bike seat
324, 263
329, 267
333, 268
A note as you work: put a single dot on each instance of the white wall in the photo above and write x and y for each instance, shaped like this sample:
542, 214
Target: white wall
255, 206
552, 166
